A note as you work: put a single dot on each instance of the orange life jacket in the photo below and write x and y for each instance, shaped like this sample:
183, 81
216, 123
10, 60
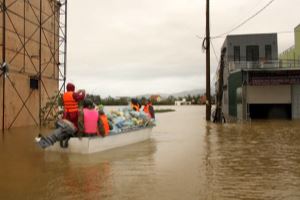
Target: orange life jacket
136, 107
105, 124
70, 104
146, 109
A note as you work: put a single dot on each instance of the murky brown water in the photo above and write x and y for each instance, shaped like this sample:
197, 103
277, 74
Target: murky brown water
185, 159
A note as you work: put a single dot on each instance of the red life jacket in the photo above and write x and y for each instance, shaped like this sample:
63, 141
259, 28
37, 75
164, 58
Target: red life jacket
70, 105
105, 124
90, 119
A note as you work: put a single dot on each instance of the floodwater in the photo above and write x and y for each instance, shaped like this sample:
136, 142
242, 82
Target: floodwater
186, 158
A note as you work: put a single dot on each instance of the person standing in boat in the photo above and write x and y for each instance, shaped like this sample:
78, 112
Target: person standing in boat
88, 120
71, 99
148, 109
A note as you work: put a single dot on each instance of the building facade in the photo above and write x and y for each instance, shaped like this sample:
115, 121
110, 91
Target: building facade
256, 84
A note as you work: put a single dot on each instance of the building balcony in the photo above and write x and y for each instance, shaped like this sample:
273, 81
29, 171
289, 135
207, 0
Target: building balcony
263, 65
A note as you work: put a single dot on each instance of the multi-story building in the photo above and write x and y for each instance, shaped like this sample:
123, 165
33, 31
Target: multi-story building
256, 85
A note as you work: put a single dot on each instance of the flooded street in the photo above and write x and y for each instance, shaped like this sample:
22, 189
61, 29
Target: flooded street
186, 158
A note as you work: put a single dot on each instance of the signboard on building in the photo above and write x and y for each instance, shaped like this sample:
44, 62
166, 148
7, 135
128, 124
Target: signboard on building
282, 77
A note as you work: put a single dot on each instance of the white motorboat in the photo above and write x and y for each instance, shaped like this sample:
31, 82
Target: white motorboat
87, 145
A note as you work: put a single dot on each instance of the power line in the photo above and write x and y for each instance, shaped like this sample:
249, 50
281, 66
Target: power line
279, 33
245, 21
212, 45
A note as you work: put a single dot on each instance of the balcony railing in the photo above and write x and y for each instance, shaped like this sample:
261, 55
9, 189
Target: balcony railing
270, 64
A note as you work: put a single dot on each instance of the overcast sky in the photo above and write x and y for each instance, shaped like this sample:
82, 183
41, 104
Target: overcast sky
131, 47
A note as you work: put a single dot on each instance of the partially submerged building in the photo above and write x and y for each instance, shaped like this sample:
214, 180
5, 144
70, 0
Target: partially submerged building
32, 53
256, 84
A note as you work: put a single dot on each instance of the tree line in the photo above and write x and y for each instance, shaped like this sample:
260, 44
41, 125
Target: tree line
195, 100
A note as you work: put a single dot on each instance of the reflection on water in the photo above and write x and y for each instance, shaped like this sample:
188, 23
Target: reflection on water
186, 158
257, 160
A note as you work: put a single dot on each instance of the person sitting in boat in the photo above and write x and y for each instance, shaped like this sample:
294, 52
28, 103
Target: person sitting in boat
88, 121
71, 99
104, 127
134, 104
148, 109
64, 130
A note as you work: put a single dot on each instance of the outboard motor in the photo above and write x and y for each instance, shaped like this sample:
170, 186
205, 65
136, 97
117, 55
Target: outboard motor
64, 130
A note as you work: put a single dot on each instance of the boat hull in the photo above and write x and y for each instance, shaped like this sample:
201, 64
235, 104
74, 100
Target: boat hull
87, 145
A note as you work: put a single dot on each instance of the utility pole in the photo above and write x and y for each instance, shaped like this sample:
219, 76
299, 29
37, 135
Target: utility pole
218, 117
208, 100
4, 68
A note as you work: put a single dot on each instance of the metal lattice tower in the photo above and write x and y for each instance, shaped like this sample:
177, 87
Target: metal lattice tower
33, 36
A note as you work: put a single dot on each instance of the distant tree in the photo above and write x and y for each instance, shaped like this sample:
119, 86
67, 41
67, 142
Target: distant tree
97, 99
168, 101
196, 99
189, 97
171, 98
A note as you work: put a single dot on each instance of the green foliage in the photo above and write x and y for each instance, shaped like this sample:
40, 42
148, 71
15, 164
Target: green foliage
163, 110
168, 101
110, 101
95, 98
171, 100
50, 112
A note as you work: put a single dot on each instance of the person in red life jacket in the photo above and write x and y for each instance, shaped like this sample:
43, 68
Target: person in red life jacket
148, 109
104, 127
134, 104
71, 99
88, 120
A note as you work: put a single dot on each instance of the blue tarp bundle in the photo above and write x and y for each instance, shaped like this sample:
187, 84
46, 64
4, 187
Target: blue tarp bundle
126, 119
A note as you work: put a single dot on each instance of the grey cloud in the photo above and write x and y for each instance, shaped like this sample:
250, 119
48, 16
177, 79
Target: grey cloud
134, 42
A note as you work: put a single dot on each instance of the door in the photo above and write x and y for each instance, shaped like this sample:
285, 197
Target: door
252, 53
296, 101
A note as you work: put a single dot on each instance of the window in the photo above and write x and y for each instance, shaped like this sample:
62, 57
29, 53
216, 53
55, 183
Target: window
236, 53
34, 83
252, 53
268, 52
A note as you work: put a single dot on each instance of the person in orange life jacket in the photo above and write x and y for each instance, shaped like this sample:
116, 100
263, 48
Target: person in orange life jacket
105, 126
88, 120
148, 109
135, 105
71, 99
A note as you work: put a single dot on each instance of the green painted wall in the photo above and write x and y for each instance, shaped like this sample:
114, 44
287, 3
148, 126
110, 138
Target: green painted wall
293, 52
297, 42
235, 81
288, 54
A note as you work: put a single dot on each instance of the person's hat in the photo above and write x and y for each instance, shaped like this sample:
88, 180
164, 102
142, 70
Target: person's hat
70, 87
